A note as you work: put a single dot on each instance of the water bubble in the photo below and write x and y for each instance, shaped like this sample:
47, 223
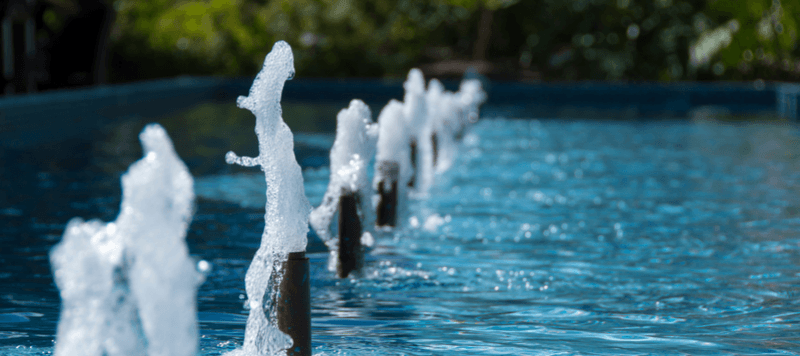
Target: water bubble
413, 221
203, 266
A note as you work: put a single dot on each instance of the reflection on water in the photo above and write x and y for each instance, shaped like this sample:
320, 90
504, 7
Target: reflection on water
547, 237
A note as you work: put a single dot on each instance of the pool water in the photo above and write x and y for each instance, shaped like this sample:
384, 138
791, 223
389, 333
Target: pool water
546, 237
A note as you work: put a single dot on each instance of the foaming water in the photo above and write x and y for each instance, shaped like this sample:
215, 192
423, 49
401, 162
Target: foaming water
544, 237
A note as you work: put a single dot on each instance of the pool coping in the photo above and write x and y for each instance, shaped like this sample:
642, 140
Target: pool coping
30, 120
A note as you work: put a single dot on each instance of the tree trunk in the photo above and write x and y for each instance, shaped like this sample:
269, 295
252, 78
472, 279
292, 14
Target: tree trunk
484, 34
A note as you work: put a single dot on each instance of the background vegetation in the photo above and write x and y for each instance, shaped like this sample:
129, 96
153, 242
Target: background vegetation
525, 40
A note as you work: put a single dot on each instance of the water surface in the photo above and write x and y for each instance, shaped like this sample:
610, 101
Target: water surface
546, 237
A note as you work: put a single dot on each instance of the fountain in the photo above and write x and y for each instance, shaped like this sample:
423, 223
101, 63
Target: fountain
415, 114
128, 287
470, 96
450, 114
444, 115
393, 164
284, 240
418, 137
577, 236
348, 191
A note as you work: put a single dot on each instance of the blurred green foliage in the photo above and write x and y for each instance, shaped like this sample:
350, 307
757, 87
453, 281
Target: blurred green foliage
533, 39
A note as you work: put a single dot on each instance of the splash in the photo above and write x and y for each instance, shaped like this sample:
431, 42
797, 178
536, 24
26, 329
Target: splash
287, 208
128, 287
450, 114
415, 113
350, 155
392, 152
470, 96
445, 116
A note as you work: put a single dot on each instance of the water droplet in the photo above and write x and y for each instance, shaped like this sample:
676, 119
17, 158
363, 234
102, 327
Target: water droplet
203, 266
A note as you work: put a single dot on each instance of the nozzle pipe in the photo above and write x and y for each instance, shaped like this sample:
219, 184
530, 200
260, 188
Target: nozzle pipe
435, 146
350, 250
294, 304
386, 214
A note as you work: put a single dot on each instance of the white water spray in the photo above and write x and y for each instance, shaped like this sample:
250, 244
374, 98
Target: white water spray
350, 155
129, 287
287, 208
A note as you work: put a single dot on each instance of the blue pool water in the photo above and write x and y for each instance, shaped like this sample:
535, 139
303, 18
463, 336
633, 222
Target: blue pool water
546, 237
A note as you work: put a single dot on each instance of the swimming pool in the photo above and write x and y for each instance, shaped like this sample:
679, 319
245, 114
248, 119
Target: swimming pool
547, 236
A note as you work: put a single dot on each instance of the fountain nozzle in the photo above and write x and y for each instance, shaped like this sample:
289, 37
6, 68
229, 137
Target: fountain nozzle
294, 304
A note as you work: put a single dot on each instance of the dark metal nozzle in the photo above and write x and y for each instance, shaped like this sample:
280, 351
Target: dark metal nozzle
386, 214
350, 230
294, 304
